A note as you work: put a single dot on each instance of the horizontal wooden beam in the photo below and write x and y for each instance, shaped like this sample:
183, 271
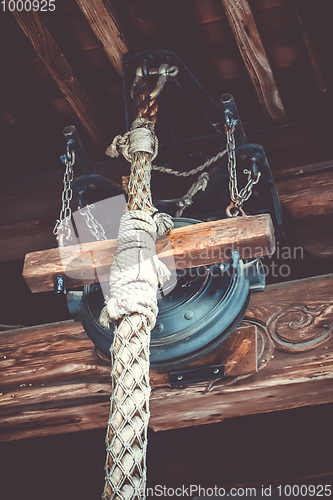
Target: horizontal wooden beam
62, 74
52, 381
252, 50
184, 248
29, 207
104, 23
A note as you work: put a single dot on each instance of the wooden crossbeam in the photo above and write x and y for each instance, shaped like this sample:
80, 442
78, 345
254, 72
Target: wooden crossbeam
52, 380
252, 50
28, 208
62, 74
104, 23
192, 246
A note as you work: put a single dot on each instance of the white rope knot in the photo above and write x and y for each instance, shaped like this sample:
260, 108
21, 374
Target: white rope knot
136, 271
163, 221
140, 137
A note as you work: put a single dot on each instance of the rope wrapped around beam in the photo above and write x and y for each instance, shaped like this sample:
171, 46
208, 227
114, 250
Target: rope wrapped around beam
135, 275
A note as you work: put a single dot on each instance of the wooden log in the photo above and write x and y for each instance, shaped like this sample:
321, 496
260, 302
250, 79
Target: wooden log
184, 248
250, 45
52, 381
63, 75
58, 362
311, 195
105, 25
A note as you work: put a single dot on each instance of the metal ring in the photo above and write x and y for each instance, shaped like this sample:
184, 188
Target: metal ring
232, 206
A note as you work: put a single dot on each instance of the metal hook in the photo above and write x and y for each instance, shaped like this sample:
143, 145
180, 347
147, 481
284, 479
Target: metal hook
233, 211
164, 73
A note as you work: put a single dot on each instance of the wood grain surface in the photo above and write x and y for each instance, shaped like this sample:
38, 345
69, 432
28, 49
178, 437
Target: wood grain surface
183, 248
52, 381
251, 48
107, 29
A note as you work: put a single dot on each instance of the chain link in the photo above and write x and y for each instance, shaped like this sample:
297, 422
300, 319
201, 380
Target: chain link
237, 197
61, 227
194, 171
96, 229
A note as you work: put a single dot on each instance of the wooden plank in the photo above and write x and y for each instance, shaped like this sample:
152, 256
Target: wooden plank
104, 23
52, 381
295, 172
62, 73
184, 248
246, 33
309, 195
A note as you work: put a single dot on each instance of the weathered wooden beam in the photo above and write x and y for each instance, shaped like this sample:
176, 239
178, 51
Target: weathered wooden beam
40, 364
252, 50
104, 23
52, 381
307, 196
184, 248
28, 208
62, 73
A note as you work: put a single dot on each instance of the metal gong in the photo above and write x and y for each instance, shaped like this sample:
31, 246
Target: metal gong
197, 314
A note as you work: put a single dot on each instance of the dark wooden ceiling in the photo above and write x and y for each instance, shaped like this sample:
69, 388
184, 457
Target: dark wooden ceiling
62, 73
74, 76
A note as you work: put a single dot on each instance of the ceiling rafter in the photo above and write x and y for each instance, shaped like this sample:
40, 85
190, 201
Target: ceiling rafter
104, 23
62, 73
252, 50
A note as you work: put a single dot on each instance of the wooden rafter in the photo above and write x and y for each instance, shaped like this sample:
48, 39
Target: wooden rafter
252, 50
104, 23
63, 75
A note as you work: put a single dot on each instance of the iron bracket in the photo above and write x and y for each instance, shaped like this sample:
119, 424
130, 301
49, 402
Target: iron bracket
193, 376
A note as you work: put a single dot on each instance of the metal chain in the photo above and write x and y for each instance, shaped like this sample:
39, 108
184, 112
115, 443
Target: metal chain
194, 171
61, 227
237, 197
96, 229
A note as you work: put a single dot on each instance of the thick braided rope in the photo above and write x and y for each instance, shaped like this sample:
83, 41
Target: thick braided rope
136, 271
135, 275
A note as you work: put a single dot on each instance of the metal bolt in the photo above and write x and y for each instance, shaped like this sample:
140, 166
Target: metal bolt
59, 285
180, 377
158, 327
216, 370
189, 315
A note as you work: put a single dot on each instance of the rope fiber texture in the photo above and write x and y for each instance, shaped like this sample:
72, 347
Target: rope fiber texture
135, 276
